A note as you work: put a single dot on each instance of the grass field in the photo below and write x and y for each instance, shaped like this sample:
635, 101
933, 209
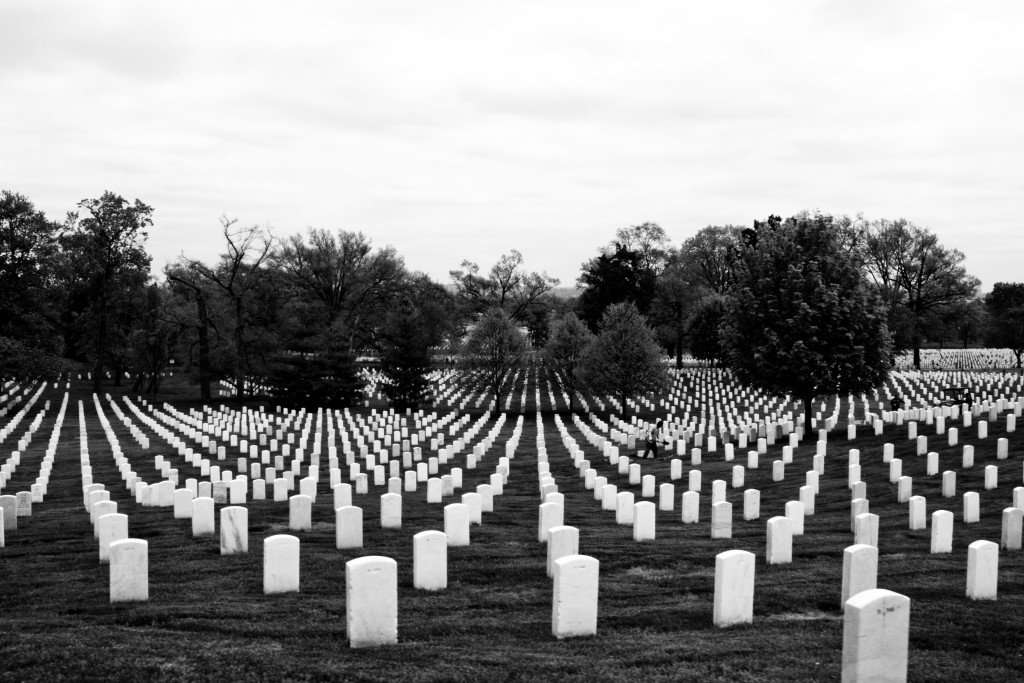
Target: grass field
208, 619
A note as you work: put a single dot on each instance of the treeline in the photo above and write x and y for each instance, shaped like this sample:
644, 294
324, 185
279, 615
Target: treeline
294, 315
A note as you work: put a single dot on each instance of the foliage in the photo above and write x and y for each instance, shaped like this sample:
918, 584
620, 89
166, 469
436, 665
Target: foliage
408, 338
1005, 303
29, 299
802, 319
314, 380
496, 349
624, 359
614, 276
105, 256
506, 286
21, 362
244, 279
564, 352
710, 257
340, 289
917, 275
705, 340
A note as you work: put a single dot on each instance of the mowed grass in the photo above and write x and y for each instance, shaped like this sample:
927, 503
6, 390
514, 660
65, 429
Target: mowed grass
208, 619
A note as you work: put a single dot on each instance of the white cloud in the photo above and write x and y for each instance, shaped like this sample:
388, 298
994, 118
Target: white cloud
464, 129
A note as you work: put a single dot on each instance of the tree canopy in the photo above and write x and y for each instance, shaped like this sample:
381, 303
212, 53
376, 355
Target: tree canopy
624, 360
801, 318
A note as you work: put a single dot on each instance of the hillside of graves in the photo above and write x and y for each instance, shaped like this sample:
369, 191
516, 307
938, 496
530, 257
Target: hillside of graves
163, 539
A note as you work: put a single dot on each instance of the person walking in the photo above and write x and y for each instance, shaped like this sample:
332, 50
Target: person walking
653, 438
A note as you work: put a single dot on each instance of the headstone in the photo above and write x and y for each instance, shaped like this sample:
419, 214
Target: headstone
430, 560
866, 529
860, 570
624, 501
721, 520
972, 507
280, 564
348, 527
234, 530
371, 601
562, 542
644, 516
183, 504
1010, 536
734, 588
751, 505
574, 600
472, 502
456, 524
111, 527
300, 513
876, 628
942, 531
129, 570
666, 497
550, 515
982, 570
918, 513
203, 516
690, 504
391, 511
23, 501
795, 512
779, 541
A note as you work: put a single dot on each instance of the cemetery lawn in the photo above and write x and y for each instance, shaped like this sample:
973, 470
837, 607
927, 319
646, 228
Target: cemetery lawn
207, 618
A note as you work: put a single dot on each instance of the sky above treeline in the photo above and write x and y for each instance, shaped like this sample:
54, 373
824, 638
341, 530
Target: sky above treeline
462, 130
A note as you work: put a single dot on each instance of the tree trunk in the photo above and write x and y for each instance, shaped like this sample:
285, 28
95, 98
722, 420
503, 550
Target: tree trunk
101, 349
808, 408
239, 373
917, 352
204, 347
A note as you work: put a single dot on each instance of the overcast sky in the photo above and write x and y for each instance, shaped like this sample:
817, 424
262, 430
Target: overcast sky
461, 130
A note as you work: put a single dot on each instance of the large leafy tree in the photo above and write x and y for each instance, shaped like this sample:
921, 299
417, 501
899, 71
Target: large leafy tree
705, 341
917, 277
340, 289
802, 319
105, 251
624, 360
243, 278
30, 300
1005, 304
507, 285
190, 309
626, 269
412, 331
494, 349
564, 353
710, 257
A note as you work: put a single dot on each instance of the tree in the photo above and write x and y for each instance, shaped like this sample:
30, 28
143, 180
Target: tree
495, 348
614, 276
705, 340
917, 275
1005, 304
710, 256
241, 277
674, 297
506, 286
341, 288
564, 351
802, 318
106, 250
410, 333
193, 291
624, 359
